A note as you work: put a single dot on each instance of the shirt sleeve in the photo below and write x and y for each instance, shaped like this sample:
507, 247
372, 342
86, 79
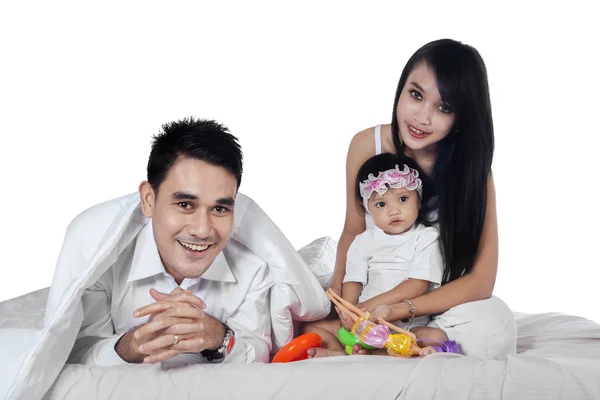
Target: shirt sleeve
251, 324
95, 343
356, 263
427, 263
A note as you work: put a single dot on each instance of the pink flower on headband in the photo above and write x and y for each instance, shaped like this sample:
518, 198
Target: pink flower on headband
393, 173
392, 178
372, 185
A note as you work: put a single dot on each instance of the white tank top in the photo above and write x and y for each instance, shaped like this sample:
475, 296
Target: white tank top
368, 219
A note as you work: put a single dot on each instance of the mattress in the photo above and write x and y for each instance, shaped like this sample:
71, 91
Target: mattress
558, 357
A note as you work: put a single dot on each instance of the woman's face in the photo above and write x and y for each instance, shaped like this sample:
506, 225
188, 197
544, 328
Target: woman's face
423, 118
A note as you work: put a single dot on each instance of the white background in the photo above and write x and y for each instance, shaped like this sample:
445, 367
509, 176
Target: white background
84, 85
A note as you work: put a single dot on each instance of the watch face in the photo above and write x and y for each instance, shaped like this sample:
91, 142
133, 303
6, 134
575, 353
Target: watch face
230, 344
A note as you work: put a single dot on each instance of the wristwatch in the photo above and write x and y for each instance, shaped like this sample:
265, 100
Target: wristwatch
224, 349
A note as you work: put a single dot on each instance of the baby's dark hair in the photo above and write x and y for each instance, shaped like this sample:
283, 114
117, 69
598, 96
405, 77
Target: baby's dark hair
383, 162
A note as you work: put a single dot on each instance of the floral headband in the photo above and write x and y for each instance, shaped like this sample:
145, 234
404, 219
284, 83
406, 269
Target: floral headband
392, 178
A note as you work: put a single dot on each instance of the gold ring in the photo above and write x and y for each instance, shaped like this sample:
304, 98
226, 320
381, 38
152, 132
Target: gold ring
175, 340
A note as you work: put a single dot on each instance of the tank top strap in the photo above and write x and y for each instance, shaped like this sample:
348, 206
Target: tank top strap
378, 139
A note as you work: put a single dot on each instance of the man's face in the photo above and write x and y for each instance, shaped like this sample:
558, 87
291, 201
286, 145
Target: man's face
192, 215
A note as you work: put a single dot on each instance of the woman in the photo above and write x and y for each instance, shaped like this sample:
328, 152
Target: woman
442, 119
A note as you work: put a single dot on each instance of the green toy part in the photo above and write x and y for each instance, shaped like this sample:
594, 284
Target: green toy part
350, 340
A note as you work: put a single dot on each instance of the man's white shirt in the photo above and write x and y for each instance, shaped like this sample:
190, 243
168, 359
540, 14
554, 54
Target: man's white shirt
235, 289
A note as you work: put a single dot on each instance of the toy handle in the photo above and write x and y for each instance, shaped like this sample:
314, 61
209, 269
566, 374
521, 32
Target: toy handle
349, 340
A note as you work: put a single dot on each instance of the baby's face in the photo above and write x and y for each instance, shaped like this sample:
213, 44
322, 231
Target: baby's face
395, 211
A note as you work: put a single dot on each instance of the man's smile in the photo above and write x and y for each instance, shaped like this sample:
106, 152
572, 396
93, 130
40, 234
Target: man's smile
195, 249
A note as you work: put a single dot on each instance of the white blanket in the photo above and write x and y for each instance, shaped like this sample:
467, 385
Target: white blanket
35, 357
558, 358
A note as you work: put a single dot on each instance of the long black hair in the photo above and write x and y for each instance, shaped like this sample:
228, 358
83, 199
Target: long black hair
463, 163
383, 162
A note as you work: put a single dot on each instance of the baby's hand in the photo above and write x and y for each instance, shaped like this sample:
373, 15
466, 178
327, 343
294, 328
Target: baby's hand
382, 311
345, 320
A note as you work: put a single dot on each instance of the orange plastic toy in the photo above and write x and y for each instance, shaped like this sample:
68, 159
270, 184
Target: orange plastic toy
295, 350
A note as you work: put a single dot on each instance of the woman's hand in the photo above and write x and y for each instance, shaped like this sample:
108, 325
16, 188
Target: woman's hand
383, 311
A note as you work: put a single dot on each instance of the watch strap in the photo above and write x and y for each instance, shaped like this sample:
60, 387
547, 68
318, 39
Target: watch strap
224, 349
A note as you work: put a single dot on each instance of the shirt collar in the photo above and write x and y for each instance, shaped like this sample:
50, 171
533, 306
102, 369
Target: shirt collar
384, 238
146, 261
219, 270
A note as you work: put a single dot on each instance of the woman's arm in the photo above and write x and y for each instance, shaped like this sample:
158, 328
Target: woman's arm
351, 291
476, 285
340, 259
361, 147
407, 289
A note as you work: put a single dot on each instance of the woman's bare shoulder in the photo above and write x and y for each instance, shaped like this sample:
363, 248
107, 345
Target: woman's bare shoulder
363, 142
364, 137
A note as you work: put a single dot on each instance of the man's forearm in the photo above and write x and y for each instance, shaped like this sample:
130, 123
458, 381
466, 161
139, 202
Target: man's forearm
127, 346
214, 333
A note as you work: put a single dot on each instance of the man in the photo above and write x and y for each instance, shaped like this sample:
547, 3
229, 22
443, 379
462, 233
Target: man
210, 275
181, 288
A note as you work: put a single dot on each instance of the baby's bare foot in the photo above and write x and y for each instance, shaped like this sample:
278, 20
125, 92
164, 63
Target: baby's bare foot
317, 352
358, 349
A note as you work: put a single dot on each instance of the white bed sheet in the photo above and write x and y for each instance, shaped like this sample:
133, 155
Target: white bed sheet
558, 358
